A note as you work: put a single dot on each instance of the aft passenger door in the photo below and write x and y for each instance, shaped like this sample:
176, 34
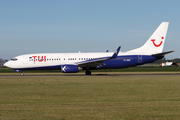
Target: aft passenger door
139, 58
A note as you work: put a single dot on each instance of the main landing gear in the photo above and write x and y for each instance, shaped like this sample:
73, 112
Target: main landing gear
88, 72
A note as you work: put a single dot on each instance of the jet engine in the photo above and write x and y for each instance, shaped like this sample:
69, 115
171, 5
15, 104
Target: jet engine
69, 68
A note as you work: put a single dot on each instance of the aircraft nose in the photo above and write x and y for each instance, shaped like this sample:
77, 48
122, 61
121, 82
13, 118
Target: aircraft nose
7, 64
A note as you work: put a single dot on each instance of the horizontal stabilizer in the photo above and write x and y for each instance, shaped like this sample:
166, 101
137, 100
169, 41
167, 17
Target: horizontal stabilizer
162, 54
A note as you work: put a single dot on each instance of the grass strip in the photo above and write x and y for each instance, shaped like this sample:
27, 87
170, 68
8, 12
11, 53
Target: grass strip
98, 98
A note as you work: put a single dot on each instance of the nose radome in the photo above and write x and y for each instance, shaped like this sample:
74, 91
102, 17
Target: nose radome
7, 64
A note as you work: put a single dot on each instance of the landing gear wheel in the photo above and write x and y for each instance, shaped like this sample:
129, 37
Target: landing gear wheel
21, 74
88, 72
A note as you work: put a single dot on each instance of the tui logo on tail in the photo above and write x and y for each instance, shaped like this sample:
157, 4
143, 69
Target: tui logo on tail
157, 45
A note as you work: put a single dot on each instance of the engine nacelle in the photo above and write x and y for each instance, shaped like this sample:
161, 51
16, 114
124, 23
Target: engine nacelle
69, 68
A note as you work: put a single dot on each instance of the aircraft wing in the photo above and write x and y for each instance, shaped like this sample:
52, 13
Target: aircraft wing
98, 61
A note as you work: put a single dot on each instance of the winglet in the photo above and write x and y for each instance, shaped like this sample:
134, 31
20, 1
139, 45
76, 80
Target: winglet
116, 53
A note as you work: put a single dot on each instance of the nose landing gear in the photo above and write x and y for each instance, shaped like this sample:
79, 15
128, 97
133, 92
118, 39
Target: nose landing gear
21, 74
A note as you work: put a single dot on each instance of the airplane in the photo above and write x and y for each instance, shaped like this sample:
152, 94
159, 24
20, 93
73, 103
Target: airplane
73, 62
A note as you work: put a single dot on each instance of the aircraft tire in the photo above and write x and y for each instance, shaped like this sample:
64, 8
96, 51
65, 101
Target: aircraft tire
21, 74
88, 72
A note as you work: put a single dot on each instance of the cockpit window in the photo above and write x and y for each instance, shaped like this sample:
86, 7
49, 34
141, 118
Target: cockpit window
14, 59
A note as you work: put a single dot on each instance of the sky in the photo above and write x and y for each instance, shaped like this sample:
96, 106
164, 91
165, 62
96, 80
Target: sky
61, 26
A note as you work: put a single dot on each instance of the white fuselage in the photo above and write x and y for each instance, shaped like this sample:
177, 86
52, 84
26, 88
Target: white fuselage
71, 62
